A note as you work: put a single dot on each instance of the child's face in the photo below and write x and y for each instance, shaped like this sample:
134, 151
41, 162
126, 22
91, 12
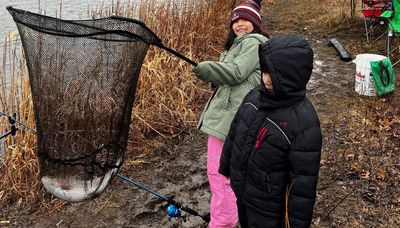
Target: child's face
241, 27
267, 82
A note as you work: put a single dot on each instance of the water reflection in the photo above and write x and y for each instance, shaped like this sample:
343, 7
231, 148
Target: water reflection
71, 10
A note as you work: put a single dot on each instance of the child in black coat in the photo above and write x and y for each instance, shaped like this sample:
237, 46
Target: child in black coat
272, 152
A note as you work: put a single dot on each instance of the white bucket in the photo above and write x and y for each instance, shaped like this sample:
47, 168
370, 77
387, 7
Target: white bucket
364, 80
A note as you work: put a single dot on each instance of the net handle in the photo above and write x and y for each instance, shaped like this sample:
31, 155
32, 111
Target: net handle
177, 54
159, 43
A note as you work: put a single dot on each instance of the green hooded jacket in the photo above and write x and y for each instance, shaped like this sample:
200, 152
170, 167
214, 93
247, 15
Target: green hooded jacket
235, 74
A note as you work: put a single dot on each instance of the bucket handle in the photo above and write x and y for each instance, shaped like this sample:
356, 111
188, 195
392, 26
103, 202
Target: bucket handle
384, 69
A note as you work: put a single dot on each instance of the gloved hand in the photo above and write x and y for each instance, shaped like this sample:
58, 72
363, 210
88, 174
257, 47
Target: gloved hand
197, 69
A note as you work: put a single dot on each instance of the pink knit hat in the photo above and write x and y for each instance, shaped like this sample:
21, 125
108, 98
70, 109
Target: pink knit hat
248, 10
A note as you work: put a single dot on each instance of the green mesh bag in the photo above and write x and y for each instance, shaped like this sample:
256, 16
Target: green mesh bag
384, 77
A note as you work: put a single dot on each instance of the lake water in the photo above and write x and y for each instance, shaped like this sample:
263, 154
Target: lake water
70, 10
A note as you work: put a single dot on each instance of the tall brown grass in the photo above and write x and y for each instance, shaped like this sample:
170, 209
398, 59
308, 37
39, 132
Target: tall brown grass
169, 98
20, 170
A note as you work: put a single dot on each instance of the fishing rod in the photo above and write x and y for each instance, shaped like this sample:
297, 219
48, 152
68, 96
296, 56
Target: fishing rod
174, 208
13, 129
15, 120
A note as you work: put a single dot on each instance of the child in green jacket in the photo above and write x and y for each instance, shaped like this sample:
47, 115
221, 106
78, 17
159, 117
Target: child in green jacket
234, 75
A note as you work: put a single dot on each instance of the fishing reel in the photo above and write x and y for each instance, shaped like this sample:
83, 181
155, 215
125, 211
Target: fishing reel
173, 211
13, 128
174, 208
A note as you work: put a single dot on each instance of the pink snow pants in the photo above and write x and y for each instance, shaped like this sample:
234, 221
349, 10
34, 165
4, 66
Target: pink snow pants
223, 209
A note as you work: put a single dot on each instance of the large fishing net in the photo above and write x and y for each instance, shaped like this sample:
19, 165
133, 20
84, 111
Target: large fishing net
83, 76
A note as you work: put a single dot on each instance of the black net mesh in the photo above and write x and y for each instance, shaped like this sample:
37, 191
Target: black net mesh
83, 76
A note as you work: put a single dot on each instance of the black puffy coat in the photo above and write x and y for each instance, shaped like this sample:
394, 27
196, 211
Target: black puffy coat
272, 152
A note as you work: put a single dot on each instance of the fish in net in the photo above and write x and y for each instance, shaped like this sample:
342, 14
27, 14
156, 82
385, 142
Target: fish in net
83, 76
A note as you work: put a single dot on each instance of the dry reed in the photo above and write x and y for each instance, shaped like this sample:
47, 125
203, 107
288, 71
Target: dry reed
20, 170
169, 98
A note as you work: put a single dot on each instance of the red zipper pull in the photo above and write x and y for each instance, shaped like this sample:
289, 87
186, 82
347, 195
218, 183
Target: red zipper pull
260, 137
